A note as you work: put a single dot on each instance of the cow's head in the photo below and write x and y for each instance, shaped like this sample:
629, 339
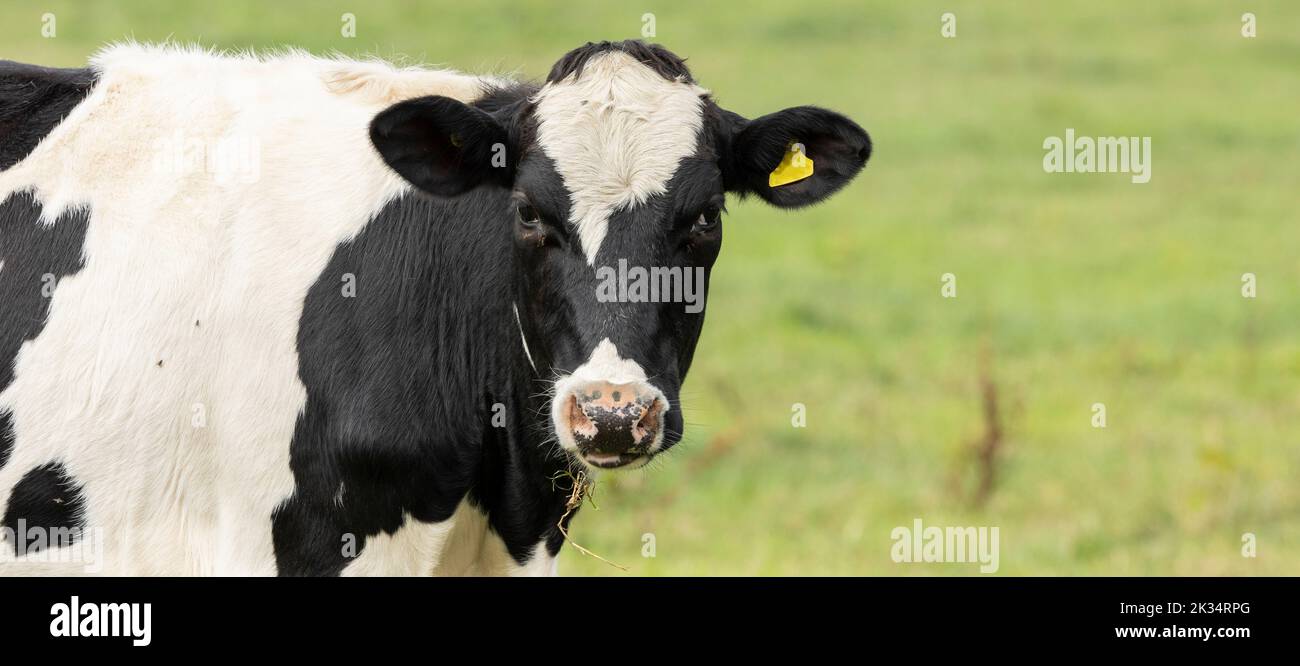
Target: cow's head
619, 166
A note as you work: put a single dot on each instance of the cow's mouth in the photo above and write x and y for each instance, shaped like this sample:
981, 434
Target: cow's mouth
614, 460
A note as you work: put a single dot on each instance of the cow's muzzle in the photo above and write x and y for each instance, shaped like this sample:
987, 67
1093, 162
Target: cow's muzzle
611, 425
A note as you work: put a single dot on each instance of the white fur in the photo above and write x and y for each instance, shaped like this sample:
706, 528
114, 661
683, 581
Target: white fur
413, 550
463, 545
208, 276
616, 134
474, 549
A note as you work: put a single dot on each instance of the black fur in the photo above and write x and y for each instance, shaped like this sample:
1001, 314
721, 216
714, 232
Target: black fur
31, 251
33, 100
45, 498
661, 60
401, 384
6, 437
441, 145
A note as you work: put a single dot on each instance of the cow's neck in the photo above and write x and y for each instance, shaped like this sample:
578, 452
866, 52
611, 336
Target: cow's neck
522, 481
420, 397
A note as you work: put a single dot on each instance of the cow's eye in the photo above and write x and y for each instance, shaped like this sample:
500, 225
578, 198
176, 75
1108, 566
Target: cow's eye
529, 218
708, 221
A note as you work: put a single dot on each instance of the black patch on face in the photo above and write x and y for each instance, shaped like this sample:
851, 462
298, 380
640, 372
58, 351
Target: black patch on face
564, 318
661, 60
33, 101
402, 385
35, 257
45, 498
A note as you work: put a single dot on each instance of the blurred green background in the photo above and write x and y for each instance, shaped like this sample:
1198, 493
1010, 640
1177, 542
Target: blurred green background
1071, 289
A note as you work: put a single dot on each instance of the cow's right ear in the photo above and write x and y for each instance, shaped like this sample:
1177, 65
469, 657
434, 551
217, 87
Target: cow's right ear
443, 146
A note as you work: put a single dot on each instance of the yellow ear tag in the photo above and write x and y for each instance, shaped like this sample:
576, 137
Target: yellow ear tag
794, 167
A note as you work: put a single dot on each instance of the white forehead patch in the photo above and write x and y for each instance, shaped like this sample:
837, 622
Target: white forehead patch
606, 365
616, 134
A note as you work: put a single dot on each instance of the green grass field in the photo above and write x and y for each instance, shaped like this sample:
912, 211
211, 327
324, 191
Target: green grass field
1072, 289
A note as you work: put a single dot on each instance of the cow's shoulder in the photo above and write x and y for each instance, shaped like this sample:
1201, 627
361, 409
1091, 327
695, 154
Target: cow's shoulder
375, 82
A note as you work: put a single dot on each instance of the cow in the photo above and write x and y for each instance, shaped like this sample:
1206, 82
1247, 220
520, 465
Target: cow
279, 314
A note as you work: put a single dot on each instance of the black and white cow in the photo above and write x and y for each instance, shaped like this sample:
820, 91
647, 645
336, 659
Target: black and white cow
374, 346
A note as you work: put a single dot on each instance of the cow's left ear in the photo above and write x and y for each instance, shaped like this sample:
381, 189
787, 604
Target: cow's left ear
761, 156
443, 146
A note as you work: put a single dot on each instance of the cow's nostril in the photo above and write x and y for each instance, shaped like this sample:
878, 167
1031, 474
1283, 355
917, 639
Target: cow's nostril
647, 427
579, 422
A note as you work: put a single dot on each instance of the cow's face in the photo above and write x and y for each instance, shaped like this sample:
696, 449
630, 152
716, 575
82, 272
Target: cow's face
618, 167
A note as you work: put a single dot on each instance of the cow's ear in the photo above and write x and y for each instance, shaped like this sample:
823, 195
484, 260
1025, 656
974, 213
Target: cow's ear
443, 146
762, 156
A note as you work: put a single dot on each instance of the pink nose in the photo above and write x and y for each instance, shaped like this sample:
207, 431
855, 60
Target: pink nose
613, 419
